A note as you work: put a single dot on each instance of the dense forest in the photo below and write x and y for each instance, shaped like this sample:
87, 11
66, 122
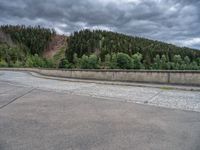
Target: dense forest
36, 39
103, 43
22, 46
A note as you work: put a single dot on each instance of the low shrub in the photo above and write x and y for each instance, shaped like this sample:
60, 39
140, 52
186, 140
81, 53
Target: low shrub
91, 62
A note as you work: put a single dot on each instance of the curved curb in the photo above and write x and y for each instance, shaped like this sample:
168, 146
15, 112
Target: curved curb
160, 86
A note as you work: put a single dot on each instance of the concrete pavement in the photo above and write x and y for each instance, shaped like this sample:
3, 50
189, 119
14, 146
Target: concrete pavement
57, 118
162, 97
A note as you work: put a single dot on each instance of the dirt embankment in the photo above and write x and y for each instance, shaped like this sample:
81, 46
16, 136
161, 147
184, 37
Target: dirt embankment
58, 42
4, 38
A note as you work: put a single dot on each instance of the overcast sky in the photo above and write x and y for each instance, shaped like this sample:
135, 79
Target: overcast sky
173, 21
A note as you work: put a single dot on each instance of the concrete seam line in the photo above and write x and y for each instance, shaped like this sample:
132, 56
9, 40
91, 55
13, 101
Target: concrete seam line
14, 99
151, 99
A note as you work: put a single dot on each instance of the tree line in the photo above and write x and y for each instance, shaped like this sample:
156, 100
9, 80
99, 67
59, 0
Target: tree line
124, 61
101, 43
92, 49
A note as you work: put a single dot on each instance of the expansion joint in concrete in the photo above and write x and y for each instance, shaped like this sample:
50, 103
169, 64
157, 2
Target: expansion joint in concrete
16, 98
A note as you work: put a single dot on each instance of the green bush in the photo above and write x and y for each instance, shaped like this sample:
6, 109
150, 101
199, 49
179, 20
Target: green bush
194, 66
17, 64
198, 61
29, 62
11, 54
64, 63
157, 62
123, 61
113, 62
50, 63
137, 61
38, 61
3, 63
35, 61
107, 61
91, 62
177, 60
84, 62
58, 57
76, 61
164, 63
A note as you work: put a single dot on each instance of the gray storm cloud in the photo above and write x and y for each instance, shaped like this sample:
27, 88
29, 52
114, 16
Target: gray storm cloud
173, 21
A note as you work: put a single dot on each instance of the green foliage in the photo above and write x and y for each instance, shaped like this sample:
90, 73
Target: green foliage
11, 55
164, 63
35, 61
194, 66
177, 61
50, 63
3, 63
137, 61
91, 62
76, 61
30, 43
86, 49
157, 62
177, 64
107, 62
102, 42
123, 61
161, 63
29, 62
198, 61
17, 64
35, 39
58, 57
187, 60
64, 63
113, 63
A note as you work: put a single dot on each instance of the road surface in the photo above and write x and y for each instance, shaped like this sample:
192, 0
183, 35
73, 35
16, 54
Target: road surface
41, 114
185, 100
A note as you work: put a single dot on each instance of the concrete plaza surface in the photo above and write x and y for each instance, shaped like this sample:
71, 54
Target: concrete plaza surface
40, 114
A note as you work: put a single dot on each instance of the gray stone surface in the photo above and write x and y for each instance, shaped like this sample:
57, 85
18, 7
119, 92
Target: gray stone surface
53, 119
185, 100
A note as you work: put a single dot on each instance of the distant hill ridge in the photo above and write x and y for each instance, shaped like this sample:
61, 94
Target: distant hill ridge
25, 45
87, 42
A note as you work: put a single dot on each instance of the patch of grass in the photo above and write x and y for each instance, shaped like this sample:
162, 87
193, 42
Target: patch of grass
166, 88
59, 55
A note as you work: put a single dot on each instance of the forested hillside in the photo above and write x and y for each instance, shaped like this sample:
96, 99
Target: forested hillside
22, 46
103, 43
36, 39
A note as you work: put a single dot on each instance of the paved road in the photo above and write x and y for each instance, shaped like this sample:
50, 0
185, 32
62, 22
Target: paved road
47, 114
184, 100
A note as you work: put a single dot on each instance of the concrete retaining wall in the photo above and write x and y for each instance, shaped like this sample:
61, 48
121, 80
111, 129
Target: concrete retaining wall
166, 77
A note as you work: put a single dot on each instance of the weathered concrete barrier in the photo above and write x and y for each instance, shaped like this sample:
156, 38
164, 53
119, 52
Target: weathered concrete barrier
148, 76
